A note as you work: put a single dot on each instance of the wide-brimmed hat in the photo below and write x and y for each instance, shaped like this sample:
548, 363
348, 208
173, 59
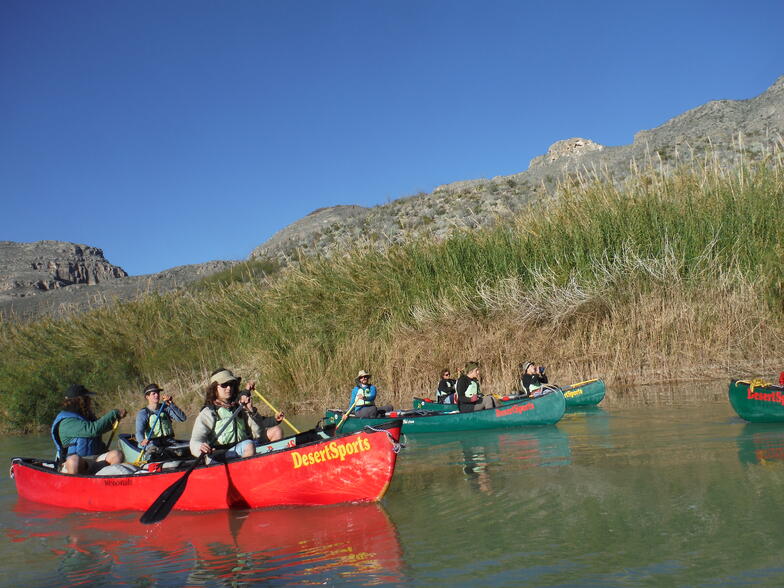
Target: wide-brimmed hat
363, 373
150, 388
526, 365
224, 377
77, 390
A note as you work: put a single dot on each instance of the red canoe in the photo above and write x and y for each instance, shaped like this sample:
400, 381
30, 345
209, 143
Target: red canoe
348, 468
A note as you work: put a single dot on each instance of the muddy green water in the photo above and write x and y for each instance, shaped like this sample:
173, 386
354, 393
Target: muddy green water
658, 487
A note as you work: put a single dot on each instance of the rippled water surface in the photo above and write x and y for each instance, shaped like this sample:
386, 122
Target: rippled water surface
659, 486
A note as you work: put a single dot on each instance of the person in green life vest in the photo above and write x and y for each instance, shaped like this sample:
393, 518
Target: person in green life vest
469, 395
154, 421
221, 398
76, 433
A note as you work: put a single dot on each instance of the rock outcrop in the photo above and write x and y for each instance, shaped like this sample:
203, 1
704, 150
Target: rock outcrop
566, 148
27, 268
56, 277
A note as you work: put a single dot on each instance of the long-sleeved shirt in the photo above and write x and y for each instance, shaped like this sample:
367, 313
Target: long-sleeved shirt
204, 428
143, 418
74, 428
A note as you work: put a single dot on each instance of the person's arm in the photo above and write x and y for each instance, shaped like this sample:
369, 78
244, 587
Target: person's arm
443, 387
141, 425
370, 394
527, 383
461, 388
354, 392
71, 428
175, 412
202, 430
256, 423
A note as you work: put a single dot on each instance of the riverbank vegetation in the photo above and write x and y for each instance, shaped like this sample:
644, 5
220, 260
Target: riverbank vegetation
666, 277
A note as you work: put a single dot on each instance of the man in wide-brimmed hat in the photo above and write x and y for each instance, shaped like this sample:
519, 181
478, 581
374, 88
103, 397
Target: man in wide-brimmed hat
363, 398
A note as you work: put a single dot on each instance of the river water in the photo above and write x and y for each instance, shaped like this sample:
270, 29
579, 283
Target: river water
658, 486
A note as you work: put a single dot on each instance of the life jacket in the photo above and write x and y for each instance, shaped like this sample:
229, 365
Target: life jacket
368, 397
163, 426
82, 446
234, 433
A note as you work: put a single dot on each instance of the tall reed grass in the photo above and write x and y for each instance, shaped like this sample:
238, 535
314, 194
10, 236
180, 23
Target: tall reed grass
667, 276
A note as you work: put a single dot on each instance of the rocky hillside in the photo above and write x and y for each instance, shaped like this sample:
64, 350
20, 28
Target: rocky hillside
56, 277
729, 129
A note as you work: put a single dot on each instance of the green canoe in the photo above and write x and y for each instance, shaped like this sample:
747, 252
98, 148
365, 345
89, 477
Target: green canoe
588, 393
544, 410
757, 401
131, 451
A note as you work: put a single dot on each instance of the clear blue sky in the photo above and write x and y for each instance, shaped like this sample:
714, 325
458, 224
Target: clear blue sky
172, 132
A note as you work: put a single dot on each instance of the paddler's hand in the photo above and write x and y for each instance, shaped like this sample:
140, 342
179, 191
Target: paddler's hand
205, 448
144, 443
279, 417
166, 398
121, 412
250, 385
246, 402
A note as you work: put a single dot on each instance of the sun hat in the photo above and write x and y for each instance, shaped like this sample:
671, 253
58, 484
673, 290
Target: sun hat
470, 366
363, 373
526, 365
150, 388
223, 377
77, 390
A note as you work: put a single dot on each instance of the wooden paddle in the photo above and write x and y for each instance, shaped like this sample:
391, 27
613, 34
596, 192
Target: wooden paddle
162, 506
276, 411
345, 414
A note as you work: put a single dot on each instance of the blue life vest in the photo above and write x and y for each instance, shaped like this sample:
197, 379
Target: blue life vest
367, 398
83, 446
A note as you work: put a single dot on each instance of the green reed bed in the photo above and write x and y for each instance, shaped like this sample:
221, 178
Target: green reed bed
592, 254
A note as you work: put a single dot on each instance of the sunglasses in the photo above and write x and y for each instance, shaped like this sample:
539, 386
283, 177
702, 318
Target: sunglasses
226, 385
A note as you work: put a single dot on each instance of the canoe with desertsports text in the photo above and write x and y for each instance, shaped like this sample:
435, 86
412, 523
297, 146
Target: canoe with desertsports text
588, 393
347, 468
547, 409
757, 401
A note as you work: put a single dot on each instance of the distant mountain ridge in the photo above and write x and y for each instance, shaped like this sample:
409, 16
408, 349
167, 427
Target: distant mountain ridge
52, 277
56, 277
730, 129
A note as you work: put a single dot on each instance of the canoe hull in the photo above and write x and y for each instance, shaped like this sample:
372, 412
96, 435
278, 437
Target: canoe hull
589, 393
545, 410
348, 468
757, 403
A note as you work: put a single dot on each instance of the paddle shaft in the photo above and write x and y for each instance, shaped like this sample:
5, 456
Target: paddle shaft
276, 411
348, 412
163, 505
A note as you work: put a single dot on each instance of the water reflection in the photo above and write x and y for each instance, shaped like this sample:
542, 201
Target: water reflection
761, 443
345, 544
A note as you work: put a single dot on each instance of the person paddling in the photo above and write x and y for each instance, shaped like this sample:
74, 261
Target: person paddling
221, 398
363, 398
154, 421
76, 433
